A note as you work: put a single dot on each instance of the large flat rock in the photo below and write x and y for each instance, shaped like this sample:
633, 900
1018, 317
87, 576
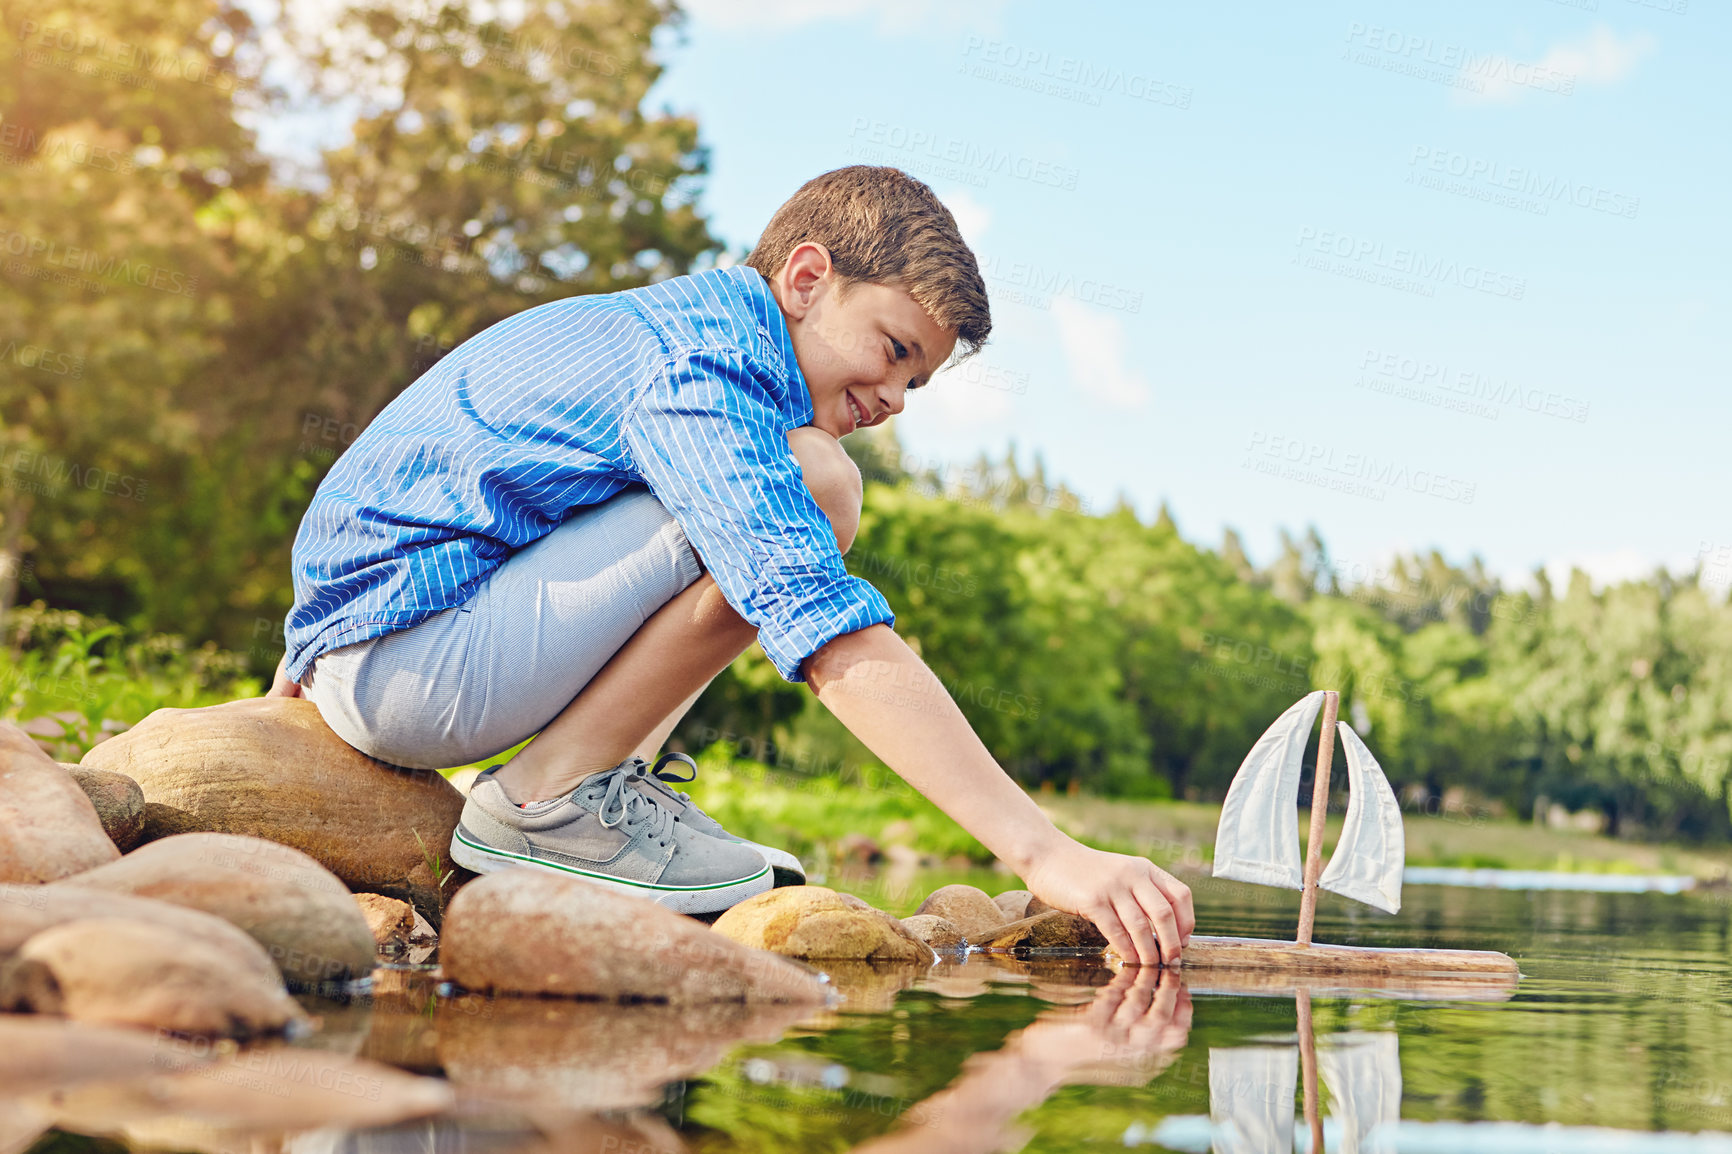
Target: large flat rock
523, 931
270, 767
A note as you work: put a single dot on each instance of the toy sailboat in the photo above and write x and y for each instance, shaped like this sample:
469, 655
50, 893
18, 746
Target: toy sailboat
1258, 842
1251, 1095
1251, 1088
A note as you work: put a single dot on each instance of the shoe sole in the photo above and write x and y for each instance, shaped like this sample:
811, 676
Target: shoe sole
711, 899
789, 871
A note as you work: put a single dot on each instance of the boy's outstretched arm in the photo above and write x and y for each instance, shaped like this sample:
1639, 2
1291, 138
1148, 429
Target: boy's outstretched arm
887, 697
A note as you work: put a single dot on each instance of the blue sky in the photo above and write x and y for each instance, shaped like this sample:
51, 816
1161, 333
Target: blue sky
1421, 275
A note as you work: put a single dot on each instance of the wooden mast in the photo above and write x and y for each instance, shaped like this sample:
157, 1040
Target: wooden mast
1308, 1068
1319, 813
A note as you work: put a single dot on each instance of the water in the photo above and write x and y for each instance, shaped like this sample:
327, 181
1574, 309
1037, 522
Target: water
1620, 1029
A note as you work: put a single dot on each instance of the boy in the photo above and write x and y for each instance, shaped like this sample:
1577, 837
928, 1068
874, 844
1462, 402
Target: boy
584, 513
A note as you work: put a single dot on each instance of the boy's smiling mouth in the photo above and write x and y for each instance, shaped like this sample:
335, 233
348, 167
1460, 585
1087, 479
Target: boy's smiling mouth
855, 412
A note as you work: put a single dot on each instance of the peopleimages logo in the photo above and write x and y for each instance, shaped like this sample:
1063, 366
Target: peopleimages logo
1043, 284
966, 156
1480, 394
1409, 263
1352, 472
1427, 163
1430, 59
83, 260
1069, 77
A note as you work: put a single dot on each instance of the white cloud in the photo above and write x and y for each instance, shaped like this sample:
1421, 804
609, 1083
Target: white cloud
1599, 58
1095, 349
889, 15
972, 217
952, 401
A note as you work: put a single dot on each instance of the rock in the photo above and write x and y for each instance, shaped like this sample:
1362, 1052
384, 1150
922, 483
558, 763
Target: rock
392, 922
939, 933
1013, 904
26, 911
48, 828
525, 931
972, 913
1053, 929
304, 917
270, 767
866, 988
118, 800
592, 1055
40, 1054
261, 1091
127, 973
817, 923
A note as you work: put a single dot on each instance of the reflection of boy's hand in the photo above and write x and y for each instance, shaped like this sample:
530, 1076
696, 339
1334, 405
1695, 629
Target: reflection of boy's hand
1144, 911
1126, 1036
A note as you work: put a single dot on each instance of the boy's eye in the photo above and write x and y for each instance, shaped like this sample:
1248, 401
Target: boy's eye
896, 347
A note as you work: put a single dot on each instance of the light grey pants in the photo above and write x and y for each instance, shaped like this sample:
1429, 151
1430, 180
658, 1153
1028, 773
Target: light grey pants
473, 681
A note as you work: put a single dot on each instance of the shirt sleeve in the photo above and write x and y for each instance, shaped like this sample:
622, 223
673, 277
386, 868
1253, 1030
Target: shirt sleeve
710, 441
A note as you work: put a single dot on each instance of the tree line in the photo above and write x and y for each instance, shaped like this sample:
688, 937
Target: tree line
1100, 651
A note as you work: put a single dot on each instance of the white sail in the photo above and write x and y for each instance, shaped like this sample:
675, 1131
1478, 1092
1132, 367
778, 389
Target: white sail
1258, 838
1373, 848
1251, 1098
1363, 1073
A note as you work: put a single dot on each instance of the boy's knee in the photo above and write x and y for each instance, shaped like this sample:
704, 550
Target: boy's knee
832, 478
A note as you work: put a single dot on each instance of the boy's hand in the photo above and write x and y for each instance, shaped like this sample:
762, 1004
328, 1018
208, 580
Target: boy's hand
1144, 911
281, 686
880, 689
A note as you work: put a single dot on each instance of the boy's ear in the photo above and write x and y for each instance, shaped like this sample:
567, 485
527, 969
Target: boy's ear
805, 274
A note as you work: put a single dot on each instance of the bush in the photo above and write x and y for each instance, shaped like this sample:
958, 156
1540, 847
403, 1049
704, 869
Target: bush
84, 672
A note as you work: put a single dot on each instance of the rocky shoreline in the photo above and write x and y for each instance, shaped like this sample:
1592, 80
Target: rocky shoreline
243, 851
163, 903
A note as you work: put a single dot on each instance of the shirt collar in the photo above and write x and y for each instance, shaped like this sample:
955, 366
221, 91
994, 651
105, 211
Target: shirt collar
775, 338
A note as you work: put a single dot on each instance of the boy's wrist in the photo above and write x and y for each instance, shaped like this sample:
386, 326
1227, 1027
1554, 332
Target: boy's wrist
1030, 848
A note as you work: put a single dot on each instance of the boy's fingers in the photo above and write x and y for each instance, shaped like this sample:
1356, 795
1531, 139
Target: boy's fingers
1166, 995
1106, 920
1160, 912
1143, 928
1137, 1000
1178, 895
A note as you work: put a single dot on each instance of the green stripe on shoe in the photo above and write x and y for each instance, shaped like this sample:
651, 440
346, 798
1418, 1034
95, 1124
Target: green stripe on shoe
614, 878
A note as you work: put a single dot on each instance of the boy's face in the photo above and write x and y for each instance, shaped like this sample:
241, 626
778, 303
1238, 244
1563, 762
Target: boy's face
861, 347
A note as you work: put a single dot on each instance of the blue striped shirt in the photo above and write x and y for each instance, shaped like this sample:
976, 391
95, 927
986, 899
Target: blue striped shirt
689, 387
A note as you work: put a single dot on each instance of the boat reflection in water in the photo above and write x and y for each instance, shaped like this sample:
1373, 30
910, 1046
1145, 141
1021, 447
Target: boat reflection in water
1252, 1090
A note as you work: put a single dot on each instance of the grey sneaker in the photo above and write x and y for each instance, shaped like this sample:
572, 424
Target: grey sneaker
654, 783
609, 833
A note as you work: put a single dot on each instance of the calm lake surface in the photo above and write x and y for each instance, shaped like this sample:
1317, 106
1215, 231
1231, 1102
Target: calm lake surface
1620, 1029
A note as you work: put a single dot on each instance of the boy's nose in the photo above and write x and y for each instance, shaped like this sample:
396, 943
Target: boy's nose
894, 397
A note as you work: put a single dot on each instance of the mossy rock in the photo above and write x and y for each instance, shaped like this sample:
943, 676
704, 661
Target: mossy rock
816, 923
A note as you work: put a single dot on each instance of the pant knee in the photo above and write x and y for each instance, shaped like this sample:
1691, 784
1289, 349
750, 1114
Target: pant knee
832, 478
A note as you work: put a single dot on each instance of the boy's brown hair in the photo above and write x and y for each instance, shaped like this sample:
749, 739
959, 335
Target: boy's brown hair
883, 226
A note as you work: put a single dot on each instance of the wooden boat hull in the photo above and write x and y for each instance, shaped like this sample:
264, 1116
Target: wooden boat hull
1210, 953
